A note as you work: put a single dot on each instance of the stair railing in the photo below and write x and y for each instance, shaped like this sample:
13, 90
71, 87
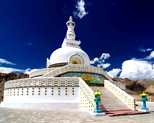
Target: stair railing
86, 97
122, 95
119, 84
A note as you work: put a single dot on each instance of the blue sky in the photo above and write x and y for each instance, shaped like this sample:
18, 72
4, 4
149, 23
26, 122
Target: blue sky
123, 31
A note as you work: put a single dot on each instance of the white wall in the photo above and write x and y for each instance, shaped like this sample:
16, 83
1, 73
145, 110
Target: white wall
15, 95
13, 98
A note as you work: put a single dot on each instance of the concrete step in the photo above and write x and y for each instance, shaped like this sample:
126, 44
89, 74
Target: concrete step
108, 100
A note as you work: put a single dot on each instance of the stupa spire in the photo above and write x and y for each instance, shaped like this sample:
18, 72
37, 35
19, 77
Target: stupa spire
69, 40
70, 31
71, 19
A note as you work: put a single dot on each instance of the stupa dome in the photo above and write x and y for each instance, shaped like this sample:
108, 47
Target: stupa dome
69, 55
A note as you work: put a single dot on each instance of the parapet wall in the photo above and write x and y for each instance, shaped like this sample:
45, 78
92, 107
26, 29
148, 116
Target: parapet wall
49, 93
34, 92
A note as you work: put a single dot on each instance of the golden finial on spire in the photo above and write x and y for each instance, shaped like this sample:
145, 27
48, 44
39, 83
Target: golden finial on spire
71, 18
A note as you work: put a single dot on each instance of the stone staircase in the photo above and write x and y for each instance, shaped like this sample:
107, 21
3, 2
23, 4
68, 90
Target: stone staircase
109, 101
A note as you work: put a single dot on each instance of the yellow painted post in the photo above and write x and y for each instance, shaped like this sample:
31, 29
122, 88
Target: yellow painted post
125, 98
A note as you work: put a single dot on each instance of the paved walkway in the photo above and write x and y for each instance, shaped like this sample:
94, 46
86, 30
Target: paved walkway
67, 116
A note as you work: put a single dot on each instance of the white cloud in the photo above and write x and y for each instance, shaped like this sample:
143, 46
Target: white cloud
94, 60
105, 65
114, 72
28, 70
80, 9
100, 62
9, 70
105, 56
144, 50
134, 69
151, 56
149, 49
137, 69
101, 59
3, 61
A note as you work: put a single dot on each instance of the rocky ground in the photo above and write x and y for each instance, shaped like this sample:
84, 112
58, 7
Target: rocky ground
6, 77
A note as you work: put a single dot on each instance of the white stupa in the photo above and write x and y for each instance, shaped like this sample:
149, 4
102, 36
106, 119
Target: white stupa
64, 84
70, 51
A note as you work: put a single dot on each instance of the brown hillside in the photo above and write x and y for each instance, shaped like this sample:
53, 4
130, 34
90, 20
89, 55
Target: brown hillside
135, 88
145, 82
